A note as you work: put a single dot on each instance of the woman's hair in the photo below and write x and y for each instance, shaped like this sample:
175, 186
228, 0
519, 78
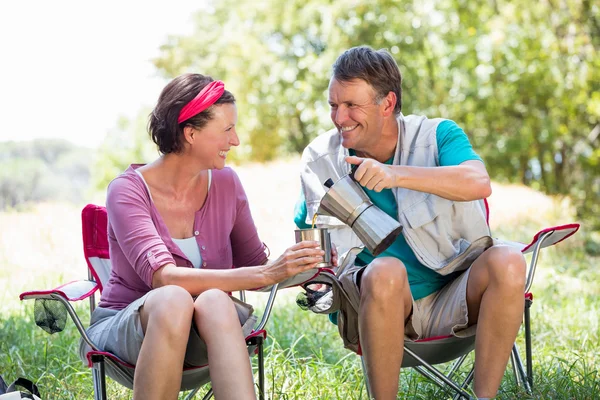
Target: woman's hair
163, 127
376, 67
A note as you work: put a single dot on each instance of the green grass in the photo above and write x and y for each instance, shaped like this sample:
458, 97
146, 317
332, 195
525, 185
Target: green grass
304, 356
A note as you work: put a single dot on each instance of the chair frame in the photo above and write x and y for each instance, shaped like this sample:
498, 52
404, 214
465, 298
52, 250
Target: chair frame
98, 358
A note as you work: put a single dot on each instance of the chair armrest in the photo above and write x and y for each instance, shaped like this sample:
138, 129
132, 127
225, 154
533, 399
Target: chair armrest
296, 280
268, 308
72, 291
544, 238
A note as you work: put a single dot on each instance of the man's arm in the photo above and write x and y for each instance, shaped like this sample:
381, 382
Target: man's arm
464, 182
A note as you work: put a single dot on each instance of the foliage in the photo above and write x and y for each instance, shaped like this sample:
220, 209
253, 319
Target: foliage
41, 170
128, 143
521, 77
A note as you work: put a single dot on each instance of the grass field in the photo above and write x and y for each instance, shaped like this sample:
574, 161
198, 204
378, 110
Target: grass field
41, 248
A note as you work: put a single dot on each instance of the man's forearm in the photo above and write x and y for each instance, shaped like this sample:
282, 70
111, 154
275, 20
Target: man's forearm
463, 182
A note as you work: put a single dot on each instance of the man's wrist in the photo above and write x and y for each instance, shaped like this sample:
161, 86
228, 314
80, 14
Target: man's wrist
398, 176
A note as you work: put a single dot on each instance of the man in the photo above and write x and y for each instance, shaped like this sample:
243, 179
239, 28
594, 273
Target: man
424, 173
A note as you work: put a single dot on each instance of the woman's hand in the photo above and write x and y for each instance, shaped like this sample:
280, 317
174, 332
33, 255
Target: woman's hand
298, 258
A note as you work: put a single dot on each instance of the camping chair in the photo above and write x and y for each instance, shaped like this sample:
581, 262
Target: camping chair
423, 354
51, 305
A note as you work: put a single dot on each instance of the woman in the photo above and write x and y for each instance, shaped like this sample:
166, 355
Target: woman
179, 229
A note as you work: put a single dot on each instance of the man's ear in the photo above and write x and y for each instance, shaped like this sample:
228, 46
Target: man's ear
389, 103
189, 134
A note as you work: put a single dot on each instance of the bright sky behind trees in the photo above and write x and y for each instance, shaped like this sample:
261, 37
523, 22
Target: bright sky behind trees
69, 69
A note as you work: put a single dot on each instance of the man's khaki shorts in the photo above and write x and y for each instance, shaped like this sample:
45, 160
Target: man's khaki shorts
442, 313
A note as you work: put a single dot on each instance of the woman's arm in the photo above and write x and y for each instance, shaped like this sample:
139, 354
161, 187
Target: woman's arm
128, 208
298, 258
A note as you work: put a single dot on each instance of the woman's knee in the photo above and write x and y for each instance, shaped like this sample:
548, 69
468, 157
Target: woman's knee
214, 308
170, 306
385, 277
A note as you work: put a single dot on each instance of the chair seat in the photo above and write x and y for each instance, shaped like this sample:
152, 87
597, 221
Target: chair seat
192, 377
437, 350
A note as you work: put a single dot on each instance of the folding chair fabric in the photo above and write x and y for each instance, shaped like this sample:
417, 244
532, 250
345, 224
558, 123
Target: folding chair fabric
94, 222
72, 291
438, 350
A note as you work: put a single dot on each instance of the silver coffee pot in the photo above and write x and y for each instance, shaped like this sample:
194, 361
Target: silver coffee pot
347, 201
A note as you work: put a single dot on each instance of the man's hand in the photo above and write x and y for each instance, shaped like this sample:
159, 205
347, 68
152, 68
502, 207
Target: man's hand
372, 174
464, 182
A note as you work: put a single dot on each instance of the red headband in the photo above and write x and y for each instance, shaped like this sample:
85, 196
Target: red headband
206, 98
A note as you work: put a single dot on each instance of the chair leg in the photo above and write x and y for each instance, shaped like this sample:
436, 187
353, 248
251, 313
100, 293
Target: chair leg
191, 394
455, 366
259, 341
364, 368
261, 368
435, 375
520, 368
99, 377
466, 383
208, 394
513, 363
528, 355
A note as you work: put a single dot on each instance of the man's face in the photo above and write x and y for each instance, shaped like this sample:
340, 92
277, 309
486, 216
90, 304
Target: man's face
356, 114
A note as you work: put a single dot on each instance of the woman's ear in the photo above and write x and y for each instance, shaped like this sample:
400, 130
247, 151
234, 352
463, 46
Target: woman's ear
189, 133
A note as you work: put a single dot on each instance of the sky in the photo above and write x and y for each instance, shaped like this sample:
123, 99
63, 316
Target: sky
69, 69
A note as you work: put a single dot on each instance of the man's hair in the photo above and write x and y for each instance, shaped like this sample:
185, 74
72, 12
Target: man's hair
163, 127
376, 67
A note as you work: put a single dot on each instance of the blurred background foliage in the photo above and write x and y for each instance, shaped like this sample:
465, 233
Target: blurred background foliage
522, 78
42, 170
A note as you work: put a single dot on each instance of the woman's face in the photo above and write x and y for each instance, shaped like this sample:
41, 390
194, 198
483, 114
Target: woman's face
211, 143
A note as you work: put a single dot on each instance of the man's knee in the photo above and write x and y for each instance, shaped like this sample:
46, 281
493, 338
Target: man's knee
385, 277
507, 267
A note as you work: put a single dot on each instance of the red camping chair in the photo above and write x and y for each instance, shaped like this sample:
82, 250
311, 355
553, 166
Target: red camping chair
423, 354
95, 248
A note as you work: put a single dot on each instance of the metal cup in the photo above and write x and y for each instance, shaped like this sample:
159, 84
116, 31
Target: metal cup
320, 235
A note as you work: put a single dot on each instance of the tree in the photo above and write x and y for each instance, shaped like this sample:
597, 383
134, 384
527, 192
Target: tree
522, 78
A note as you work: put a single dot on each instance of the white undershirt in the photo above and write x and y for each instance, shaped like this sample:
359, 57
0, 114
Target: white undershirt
189, 246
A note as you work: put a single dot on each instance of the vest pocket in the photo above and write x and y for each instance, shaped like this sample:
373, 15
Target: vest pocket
427, 210
429, 232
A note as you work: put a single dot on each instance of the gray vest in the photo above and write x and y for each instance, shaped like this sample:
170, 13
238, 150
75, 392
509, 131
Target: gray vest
439, 231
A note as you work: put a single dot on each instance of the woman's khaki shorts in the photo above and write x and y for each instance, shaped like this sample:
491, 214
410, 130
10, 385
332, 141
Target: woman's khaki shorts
120, 332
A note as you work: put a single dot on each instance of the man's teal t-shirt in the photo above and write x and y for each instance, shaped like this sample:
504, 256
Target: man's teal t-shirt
454, 148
